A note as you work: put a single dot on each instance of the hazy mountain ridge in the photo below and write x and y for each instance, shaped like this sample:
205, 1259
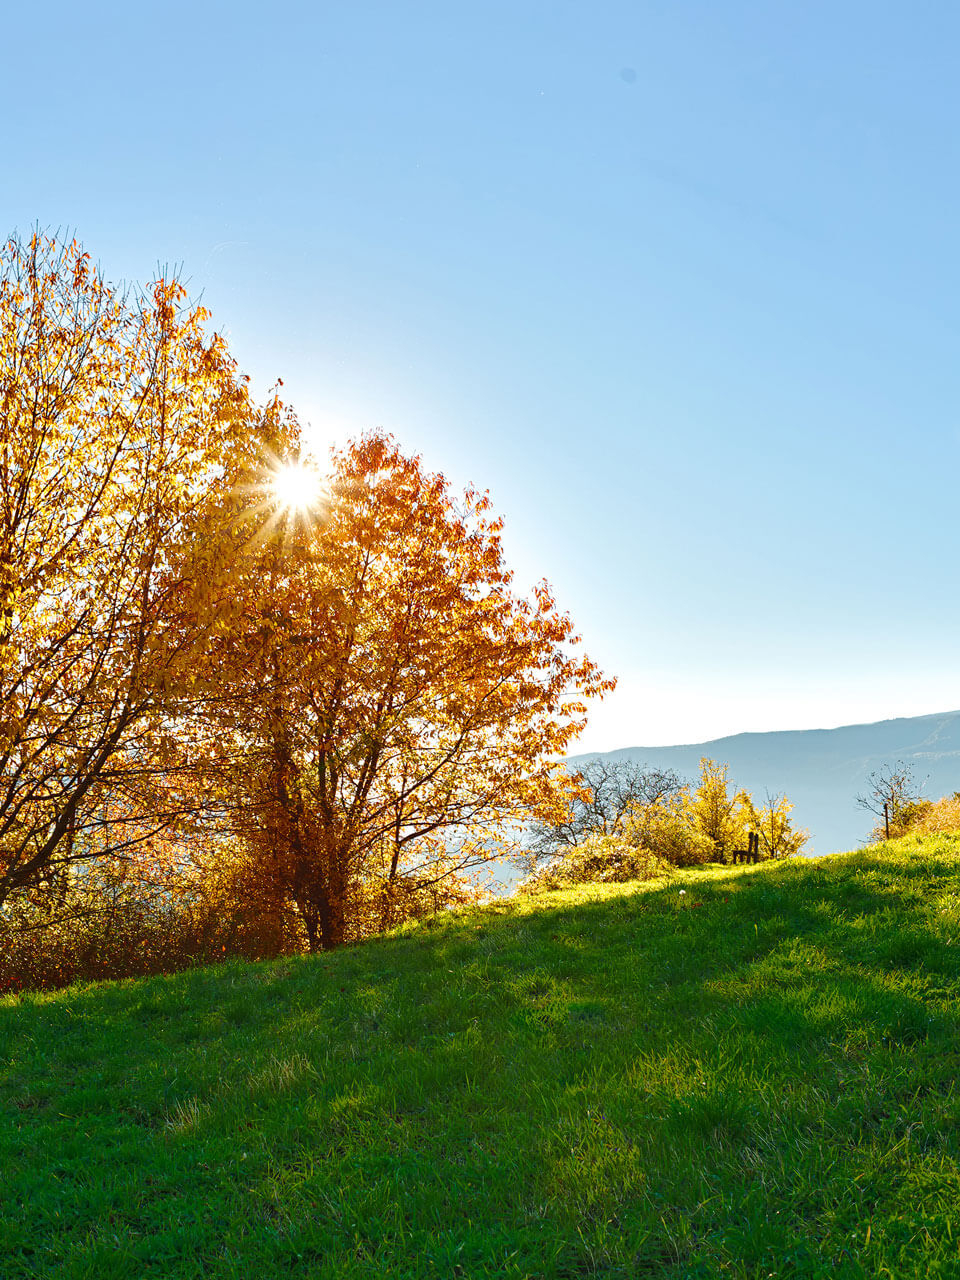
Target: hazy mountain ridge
822, 770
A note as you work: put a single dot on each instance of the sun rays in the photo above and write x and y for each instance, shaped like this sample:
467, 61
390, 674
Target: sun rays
296, 486
289, 494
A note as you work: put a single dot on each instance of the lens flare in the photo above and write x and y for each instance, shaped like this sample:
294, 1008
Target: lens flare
297, 486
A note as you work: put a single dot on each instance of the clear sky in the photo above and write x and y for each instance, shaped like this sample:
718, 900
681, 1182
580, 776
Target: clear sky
678, 282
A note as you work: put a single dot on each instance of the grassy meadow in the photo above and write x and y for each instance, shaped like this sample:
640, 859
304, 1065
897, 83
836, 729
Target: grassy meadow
735, 1072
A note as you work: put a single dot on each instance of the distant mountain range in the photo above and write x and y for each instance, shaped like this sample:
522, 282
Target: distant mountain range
822, 770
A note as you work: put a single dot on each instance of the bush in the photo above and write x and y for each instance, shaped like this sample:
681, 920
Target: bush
137, 916
598, 860
124, 919
938, 818
670, 833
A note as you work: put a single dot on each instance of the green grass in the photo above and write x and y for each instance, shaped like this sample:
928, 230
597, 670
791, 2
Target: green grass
755, 1077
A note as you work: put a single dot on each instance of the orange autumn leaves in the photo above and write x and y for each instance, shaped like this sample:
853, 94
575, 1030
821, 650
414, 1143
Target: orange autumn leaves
339, 709
119, 419
399, 703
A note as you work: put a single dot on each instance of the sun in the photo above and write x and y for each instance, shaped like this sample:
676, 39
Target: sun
296, 485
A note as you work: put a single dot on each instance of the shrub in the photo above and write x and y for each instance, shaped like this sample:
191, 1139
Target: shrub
140, 915
669, 831
124, 918
598, 860
939, 817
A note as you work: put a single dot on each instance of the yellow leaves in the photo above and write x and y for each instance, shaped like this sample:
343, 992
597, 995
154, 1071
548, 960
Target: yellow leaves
81, 266
939, 816
115, 447
395, 699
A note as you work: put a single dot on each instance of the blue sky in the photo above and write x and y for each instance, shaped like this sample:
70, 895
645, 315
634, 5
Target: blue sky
676, 282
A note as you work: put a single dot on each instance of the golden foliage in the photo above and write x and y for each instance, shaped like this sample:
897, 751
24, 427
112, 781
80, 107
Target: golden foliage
393, 703
235, 705
940, 817
925, 817
120, 422
599, 859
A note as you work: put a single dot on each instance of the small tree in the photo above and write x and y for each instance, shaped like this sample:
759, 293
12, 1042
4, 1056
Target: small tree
895, 799
719, 814
668, 828
778, 837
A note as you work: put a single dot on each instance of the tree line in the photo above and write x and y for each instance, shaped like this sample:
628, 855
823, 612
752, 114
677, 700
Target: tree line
625, 820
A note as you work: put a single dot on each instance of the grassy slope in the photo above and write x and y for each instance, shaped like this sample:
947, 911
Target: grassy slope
753, 1078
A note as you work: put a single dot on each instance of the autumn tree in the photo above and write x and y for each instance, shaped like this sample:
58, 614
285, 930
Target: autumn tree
779, 838
717, 810
936, 817
121, 423
895, 799
724, 815
392, 704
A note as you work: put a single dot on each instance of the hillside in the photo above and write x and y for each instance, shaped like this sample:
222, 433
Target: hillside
822, 770
745, 1072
